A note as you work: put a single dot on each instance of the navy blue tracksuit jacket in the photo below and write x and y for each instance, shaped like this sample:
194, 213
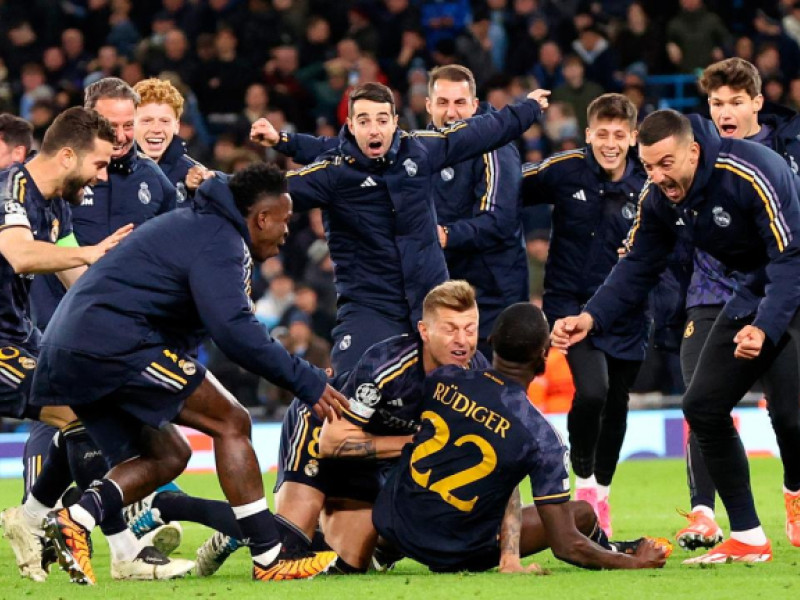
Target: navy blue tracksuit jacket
380, 220
591, 217
171, 283
743, 209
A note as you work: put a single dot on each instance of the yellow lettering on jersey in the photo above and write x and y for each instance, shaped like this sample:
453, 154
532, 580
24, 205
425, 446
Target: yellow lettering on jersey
460, 403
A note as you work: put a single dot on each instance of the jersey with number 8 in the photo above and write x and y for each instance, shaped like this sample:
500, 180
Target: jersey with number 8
480, 436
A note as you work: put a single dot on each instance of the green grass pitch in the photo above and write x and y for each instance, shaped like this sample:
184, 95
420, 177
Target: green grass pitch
644, 499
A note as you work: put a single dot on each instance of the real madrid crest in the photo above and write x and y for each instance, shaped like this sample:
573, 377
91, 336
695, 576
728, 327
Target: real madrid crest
411, 167
345, 343
180, 190
447, 173
629, 210
54, 229
689, 330
27, 363
721, 218
144, 193
312, 468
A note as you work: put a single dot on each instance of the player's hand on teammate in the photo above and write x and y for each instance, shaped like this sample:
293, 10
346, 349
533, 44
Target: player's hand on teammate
93, 253
264, 133
541, 97
570, 330
749, 342
650, 555
197, 175
330, 404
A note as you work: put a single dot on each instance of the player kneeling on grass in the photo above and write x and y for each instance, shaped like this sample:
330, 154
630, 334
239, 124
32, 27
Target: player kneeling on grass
452, 501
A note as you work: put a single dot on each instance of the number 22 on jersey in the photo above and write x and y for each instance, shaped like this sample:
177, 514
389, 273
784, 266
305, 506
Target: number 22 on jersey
447, 485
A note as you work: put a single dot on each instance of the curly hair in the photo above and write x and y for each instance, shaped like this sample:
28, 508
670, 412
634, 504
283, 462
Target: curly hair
521, 334
160, 91
255, 181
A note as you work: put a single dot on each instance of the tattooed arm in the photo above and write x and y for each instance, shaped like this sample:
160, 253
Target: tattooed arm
342, 439
510, 530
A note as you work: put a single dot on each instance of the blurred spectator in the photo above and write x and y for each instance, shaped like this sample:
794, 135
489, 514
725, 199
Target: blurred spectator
22, 48
361, 29
561, 124
497, 93
123, 34
768, 62
600, 59
393, 21
185, 15
107, 64
640, 40
524, 53
322, 321
793, 99
548, 70
635, 92
498, 19
77, 59
744, 48
474, 50
696, 37
791, 22
174, 55
221, 83
303, 342
34, 87
774, 90
256, 102
319, 274
53, 62
576, 91
286, 90
41, 116
316, 46
767, 25
443, 19
278, 297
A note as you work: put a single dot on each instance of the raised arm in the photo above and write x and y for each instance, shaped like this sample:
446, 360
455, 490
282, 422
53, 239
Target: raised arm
483, 133
300, 147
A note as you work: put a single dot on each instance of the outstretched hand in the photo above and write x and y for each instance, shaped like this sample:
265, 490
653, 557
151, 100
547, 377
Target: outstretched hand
98, 250
330, 404
541, 97
570, 330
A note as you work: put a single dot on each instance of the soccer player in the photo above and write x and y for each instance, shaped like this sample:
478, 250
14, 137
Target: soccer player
593, 191
737, 109
737, 201
338, 466
36, 237
136, 190
16, 139
452, 501
176, 278
375, 189
156, 133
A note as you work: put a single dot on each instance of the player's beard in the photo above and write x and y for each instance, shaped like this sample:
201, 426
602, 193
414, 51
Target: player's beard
73, 190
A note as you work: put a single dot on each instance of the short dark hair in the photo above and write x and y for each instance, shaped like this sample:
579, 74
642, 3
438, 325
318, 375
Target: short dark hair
77, 128
661, 124
521, 335
374, 92
736, 73
109, 87
16, 131
611, 107
253, 182
452, 73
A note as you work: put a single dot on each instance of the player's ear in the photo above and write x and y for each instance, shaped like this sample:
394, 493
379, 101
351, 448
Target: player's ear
422, 327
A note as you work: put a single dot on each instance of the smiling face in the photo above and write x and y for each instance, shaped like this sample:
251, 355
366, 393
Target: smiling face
450, 101
155, 126
449, 337
88, 169
734, 112
121, 113
671, 164
268, 225
610, 140
373, 125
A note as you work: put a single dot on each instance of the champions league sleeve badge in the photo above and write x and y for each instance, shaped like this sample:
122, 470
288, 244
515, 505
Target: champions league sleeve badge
144, 193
